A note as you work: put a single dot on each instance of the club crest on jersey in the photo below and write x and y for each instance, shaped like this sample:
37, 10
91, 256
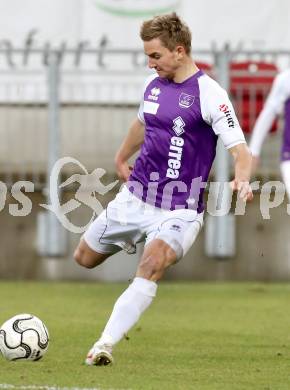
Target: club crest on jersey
155, 92
178, 126
185, 100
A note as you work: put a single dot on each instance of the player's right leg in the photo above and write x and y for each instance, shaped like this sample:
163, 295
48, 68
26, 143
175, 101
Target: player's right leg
94, 246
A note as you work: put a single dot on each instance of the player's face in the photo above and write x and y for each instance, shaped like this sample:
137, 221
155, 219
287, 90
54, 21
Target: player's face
164, 61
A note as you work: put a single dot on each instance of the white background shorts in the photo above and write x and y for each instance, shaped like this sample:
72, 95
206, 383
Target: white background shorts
128, 220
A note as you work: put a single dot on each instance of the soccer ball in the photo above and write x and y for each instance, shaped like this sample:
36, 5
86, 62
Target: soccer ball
23, 336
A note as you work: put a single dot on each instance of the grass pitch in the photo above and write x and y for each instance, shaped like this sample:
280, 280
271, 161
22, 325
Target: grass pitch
194, 336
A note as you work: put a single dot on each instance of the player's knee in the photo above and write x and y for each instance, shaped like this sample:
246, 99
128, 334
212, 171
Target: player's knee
78, 256
82, 259
151, 268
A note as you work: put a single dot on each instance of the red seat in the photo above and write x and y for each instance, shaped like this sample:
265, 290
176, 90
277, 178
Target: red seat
250, 83
205, 67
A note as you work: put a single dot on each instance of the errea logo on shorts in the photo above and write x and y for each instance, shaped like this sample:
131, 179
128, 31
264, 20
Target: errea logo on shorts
155, 92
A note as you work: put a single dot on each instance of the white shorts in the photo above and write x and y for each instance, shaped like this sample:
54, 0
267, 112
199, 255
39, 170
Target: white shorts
128, 220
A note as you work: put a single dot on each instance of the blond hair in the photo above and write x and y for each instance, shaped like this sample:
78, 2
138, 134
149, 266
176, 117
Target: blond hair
170, 29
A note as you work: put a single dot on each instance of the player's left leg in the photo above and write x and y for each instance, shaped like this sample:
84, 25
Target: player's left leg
171, 241
157, 256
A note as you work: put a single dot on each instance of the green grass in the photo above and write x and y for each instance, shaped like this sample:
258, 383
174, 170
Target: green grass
194, 336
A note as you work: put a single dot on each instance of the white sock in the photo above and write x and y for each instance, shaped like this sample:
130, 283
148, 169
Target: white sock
128, 309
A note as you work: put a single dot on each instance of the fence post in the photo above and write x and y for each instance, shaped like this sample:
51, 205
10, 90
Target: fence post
220, 230
51, 235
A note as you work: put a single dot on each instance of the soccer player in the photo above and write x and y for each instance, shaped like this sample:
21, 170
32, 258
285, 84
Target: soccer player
181, 115
277, 102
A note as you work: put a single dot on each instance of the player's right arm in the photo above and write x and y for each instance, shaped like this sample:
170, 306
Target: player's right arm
131, 144
133, 140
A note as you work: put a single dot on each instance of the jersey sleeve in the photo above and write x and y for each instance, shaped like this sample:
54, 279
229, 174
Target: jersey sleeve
218, 112
140, 113
279, 94
141, 106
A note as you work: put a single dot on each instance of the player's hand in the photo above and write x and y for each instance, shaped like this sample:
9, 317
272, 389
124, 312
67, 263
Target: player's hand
243, 188
123, 170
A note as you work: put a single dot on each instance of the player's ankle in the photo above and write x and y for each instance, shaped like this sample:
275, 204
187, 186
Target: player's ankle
106, 339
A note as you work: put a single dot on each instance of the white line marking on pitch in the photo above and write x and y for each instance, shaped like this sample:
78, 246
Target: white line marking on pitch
6, 386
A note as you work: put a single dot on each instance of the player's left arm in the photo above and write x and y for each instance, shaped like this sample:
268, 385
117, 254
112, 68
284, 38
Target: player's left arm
218, 111
243, 162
